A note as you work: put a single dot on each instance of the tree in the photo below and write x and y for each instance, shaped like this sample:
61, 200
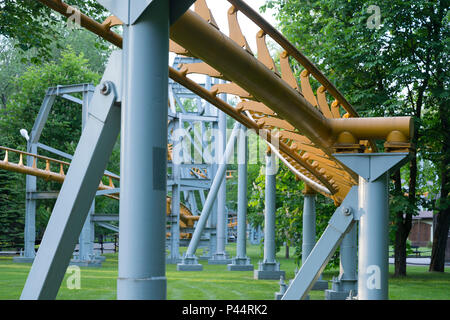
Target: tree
384, 69
30, 23
62, 129
12, 203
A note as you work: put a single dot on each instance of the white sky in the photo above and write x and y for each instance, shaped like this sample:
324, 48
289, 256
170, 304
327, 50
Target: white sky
219, 9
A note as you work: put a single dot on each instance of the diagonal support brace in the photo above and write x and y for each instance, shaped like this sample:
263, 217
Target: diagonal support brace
76, 195
340, 223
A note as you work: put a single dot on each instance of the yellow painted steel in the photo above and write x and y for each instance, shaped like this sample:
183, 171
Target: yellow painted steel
272, 102
187, 219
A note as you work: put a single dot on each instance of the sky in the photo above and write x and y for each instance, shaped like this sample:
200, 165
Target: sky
219, 9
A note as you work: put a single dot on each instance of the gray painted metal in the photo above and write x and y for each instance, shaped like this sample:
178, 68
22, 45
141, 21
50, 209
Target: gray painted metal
269, 268
339, 224
143, 164
270, 209
30, 209
108, 226
76, 195
241, 262
309, 225
373, 251
206, 210
220, 256
175, 202
309, 234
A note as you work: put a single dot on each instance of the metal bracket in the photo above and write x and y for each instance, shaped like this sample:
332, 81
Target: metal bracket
339, 224
130, 10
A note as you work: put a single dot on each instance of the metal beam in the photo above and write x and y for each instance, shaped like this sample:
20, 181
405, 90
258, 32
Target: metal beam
76, 195
340, 223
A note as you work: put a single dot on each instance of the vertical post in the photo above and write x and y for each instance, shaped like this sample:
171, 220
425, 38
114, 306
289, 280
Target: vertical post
30, 212
241, 262
373, 208
309, 222
189, 261
269, 268
175, 202
373, 239
309, 231
221, 256
143, 164
212, 221
87, 235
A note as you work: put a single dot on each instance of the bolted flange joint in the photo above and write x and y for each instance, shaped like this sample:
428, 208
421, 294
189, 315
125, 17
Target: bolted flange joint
347, 211
105, 88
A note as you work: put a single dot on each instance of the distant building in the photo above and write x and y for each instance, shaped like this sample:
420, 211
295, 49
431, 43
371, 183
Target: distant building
422, 229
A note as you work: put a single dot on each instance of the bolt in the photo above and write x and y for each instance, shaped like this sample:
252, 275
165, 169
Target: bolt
105, 89
347, 211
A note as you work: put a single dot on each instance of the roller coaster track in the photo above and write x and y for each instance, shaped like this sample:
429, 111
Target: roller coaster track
279, 108
51, 169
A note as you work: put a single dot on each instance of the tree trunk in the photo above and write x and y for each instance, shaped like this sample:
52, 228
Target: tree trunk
440, 235
401, 234
287, 252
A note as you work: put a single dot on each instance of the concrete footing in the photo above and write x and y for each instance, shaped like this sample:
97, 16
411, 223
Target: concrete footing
189, 264
268, 271
220, 258
240, 264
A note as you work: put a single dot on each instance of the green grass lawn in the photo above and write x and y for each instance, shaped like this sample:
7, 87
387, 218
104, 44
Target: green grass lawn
216, 283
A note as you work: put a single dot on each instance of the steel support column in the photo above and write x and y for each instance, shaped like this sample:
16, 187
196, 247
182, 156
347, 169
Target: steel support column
309, 231
373, 207
175, 202
241, 262
346, 283
143, 166
220, 256
76, 195
269, 268
190, 261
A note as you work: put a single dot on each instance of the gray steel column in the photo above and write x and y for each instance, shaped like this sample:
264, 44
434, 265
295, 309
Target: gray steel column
309, 231
175, 202
220, 256
143, 165
373, 211
241, 262
30, 211
309, 223
373, 239
87, 235
270, 209
269, 268
189, 261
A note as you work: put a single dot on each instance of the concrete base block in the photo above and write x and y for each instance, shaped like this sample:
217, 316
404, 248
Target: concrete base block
320, 285
240, 264
219, 261
268, 275
240, 267
90, 263
220, 258
23, 260
336, 295
189, 267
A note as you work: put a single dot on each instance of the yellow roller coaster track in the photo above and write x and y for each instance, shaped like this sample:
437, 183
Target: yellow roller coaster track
51, 169
308, 127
